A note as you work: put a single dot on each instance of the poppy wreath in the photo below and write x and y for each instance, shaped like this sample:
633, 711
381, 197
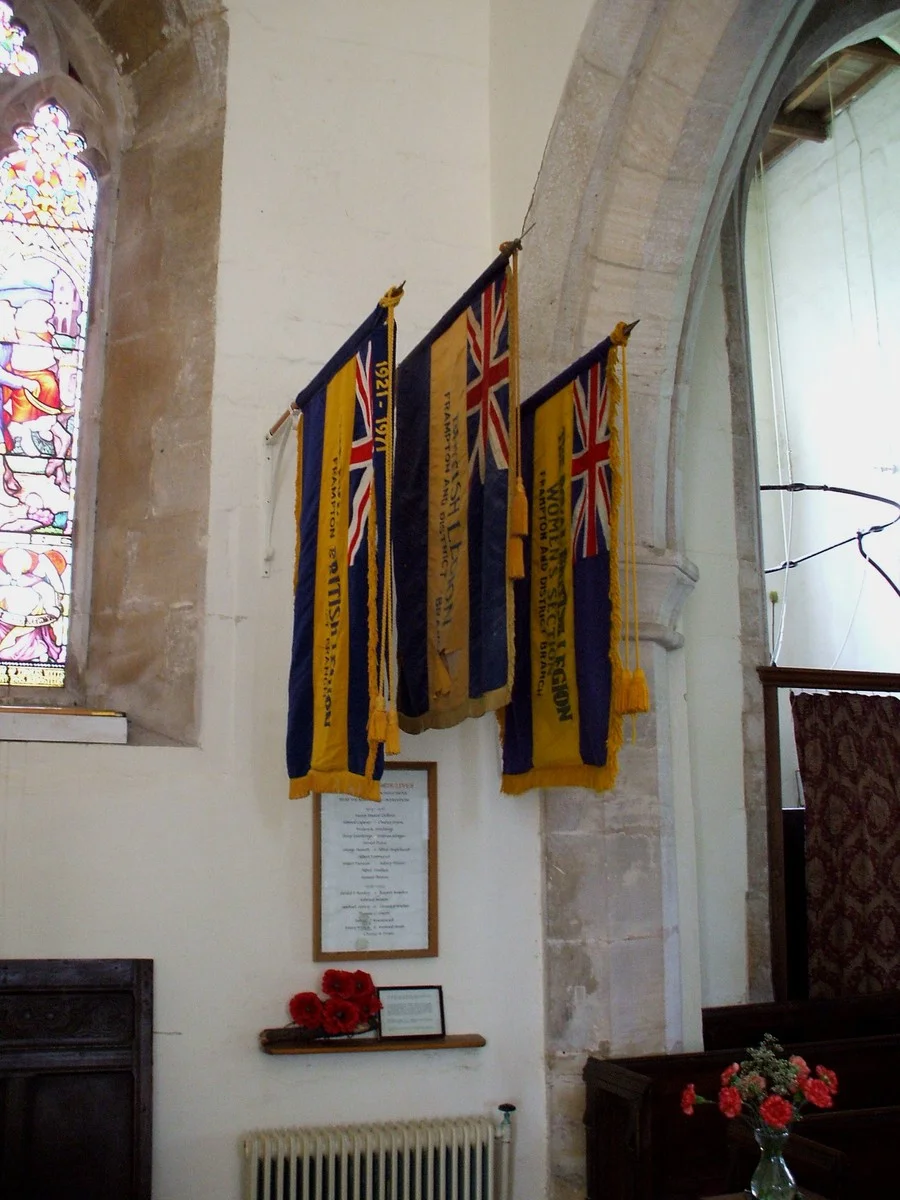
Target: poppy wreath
349, 1006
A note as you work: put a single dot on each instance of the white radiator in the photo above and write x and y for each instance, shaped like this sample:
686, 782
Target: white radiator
445, 1159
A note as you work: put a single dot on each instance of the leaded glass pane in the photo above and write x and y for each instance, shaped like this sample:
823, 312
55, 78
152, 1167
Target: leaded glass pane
35, 588
13, 59
47, 204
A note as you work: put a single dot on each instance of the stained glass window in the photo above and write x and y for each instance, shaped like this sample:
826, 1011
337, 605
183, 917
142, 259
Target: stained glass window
47, 205
13, 59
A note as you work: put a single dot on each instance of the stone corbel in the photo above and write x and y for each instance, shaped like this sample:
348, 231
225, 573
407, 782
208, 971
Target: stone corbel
665, 579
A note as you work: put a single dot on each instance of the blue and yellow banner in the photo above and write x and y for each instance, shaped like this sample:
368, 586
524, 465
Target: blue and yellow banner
454, 482
563, 726
338, 677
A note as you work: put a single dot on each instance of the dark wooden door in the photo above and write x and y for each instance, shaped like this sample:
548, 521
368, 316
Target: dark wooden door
75, 1079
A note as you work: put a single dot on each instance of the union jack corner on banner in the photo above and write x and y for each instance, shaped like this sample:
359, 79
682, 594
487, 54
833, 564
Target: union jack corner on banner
339, 716
362, 461
563, 726
487, 392
452, 501
591, 464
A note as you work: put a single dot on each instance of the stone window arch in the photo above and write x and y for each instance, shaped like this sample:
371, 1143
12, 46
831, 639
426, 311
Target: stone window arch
145, 86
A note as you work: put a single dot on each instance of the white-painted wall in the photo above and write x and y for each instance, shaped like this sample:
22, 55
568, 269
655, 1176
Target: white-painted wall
711, 627
358, 154
532, 45
823, 259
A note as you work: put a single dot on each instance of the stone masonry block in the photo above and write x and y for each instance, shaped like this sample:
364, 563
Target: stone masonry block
637, 998
171, 86
186, 179
134, 189
567, 1144
155, 576
612, 43
134, 31
689, 36
577, 996
577, 885
635, 886
629, 216
574, 810
658, 111
674, 226
699, 142
179, 468
166, 88
127, 643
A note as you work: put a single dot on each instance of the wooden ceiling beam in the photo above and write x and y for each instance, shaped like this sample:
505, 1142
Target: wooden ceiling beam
853, 90
809, 127
875, 50
811, 82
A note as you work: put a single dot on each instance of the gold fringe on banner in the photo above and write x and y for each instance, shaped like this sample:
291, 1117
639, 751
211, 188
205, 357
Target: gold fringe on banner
631, 693
385, 710
518, 518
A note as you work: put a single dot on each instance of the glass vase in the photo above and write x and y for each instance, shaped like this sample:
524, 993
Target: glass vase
772, 1180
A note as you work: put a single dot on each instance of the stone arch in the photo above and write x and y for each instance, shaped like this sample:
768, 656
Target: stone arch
146, 84
658, 115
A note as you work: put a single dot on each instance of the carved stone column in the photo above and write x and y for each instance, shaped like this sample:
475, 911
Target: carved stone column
613, 967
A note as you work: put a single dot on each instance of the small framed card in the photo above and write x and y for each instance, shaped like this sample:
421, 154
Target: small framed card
411, 1012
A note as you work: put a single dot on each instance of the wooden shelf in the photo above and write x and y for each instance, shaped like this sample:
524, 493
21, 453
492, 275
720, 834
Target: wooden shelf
453, 1041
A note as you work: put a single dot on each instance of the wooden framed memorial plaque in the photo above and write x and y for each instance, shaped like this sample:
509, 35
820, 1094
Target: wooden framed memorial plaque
375, 869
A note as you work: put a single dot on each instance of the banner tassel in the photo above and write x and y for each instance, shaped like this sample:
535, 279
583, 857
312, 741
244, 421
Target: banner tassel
632, 695
377, 728
519, 519
516, 557
392, 733
518, 503
638, 692
385, 724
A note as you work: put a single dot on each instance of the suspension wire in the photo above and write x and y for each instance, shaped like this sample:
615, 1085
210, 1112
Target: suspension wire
779, 408
840, 192
871, 561
857, 537
868, 224
864, 575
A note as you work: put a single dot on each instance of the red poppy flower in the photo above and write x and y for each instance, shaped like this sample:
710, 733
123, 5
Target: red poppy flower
338, 984
362, 983
729, 1073
688, 1100
306, 1010
776, 1111
730, 1101
829, 1078
368, 1004
803, 1071
339, 1015
817, 1092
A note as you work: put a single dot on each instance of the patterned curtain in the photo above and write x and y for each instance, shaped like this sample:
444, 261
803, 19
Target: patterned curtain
849, 751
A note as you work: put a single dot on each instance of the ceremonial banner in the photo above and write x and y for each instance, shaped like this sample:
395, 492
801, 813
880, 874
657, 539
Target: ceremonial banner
337, 677
454, 481
562, 727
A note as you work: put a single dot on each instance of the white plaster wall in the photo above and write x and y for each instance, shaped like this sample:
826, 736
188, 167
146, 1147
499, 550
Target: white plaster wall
357, 155
823, 253
533, 43
712, 663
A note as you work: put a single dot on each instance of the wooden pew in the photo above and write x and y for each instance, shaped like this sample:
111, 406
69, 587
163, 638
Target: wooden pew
640, 1146
801, 1020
